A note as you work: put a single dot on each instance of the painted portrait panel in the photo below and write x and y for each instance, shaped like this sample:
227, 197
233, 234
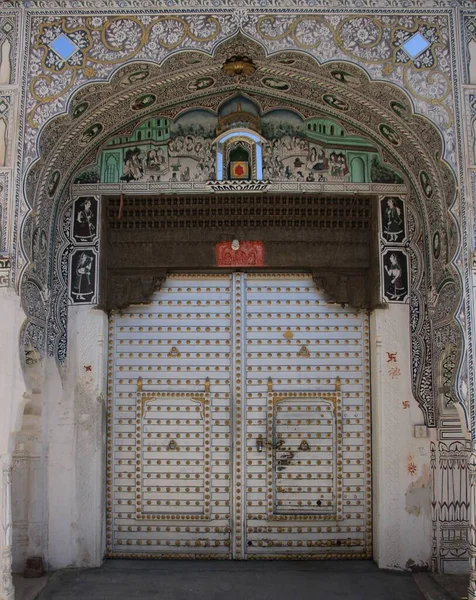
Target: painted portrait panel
392, 214
82, 274
85, 219
395, 276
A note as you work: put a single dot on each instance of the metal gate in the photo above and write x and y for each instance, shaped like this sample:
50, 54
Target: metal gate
239, 422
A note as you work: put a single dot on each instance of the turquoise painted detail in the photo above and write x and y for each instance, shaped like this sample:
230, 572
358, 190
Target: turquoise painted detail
151, 135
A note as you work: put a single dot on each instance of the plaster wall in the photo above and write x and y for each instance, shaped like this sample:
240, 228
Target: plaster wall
401, 462
75, 432
12, 383
13, 399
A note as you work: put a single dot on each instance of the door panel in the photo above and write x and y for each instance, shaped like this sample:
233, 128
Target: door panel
239, 422
169, 440
307, 364
302, 463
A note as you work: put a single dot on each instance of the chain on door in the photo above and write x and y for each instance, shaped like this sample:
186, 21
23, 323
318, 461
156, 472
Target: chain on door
239, 422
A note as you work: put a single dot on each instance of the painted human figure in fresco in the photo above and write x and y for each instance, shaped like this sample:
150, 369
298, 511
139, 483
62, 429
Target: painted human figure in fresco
133, 168
85, 221
83, 283
397, 287
317, 160
150, 159
393, 222
338, 165
154, 159
185, 175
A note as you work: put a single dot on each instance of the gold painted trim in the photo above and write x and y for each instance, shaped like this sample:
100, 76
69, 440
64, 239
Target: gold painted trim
334, 398
143, 398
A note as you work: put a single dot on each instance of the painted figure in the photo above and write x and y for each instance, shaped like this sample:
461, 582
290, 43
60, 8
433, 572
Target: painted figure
85, 221
317, 160
185, 175
133, 168
393, 225
397, 288
83, 283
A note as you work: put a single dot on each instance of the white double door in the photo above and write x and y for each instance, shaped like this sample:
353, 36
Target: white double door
239, 422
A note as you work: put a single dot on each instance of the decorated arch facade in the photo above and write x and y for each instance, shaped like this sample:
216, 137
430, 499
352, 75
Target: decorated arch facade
142, 144
385, 119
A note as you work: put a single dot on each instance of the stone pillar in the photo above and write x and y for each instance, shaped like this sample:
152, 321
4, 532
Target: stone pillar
7, 591
472, 526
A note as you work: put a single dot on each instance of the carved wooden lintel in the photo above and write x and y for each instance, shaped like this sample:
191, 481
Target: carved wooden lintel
133, 287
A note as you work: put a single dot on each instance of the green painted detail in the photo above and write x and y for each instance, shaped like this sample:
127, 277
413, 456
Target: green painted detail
329, 152
328, 132
359, 167
358, 151
150, 135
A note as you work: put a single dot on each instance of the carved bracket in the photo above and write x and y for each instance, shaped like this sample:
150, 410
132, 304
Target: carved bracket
356, 289
126, 288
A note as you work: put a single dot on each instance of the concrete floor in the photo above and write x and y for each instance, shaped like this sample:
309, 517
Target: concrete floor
180, 580
28, 589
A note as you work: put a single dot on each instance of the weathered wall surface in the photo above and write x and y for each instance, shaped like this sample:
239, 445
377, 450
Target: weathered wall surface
14, 397
75, 432
401, 462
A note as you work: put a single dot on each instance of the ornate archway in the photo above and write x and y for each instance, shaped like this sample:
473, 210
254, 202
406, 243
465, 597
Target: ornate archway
341, 91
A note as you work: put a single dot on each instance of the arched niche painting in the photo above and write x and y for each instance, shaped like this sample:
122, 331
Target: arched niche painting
163, 150
200, 145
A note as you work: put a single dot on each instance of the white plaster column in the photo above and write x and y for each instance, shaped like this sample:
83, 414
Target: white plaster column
75, 404
472, 527
401, 462
7, 591
12, 394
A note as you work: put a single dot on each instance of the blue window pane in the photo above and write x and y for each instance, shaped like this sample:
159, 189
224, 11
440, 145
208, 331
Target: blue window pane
63, 46
415, 45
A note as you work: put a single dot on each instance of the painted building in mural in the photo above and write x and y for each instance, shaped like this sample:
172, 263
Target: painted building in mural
236, 267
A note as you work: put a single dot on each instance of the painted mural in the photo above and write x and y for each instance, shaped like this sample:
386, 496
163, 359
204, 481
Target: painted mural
293, 149
395, 275
161, 150
393, 219
83, 276
80, 251
85, 219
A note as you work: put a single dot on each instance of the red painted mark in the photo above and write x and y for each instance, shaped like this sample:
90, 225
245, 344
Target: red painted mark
394, 372
411, 466
88, 368
406, 404
391, 357
249, 254
239, 170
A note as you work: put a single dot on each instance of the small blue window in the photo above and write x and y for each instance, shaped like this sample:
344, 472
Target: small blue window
63, 47
415, 45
